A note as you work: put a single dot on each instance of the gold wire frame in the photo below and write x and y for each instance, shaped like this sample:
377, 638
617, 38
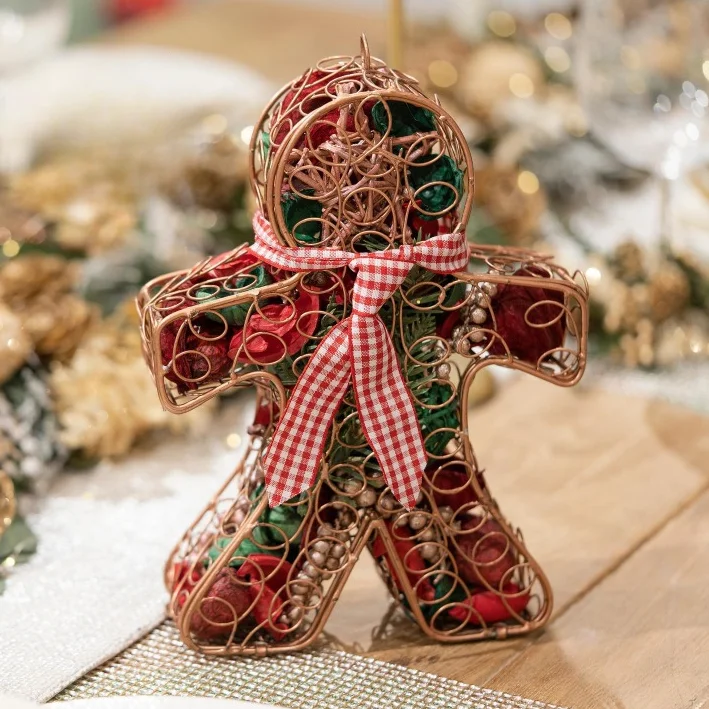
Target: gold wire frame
247, 580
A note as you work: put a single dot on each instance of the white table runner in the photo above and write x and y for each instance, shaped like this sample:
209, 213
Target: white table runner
95, 584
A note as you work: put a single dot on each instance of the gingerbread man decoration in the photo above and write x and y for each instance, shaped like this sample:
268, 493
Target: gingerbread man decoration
361, 315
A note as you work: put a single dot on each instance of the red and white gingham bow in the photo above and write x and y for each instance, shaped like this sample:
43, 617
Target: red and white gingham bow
359, 347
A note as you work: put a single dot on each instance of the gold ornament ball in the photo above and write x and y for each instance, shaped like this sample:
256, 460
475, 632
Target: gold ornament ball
628, 261
668, 293
497, 71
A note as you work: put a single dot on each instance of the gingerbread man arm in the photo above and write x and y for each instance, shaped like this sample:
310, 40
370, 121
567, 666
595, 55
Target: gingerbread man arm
521, 311
232, 321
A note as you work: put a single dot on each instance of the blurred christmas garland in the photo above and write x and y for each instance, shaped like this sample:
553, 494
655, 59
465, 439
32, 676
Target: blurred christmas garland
534, 155
78, 236
649, 308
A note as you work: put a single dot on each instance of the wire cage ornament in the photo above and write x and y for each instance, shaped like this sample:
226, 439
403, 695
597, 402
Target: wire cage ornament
352, 155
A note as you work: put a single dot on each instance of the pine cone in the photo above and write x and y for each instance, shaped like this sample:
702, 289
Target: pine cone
30, 451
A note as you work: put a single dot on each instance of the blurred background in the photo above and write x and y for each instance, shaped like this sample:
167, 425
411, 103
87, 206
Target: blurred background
124, 132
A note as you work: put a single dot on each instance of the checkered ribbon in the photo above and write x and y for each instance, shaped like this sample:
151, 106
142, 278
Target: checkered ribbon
358, 347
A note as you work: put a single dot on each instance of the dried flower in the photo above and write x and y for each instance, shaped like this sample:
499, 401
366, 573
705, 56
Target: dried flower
491, 606
278, 330
219, 611
528, 319
483, 555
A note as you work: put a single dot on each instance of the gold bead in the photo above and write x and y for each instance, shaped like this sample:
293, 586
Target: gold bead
444, 370
366, 498
321, 546
418, 520
338, 551
479, 316
427, 535
332, 564
446, 513
317, 558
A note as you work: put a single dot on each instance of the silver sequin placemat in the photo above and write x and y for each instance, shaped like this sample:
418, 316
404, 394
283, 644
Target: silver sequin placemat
325, 679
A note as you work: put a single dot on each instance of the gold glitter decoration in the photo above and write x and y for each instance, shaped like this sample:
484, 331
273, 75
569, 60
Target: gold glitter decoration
89, 199
7, 501
94, 224
18, 226
58, 325
327, 679
23, 279
650, 307
628, 261
668, 293
104, 398
36, 288
15, 343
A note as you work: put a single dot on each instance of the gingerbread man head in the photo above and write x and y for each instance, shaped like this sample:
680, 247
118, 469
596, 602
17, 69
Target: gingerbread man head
361, 315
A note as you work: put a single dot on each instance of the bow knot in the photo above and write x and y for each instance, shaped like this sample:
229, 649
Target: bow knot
359, 349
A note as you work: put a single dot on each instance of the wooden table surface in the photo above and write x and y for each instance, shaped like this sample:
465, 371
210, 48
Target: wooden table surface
612, 492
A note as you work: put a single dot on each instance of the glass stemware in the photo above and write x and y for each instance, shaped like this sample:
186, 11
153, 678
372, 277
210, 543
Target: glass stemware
642, 74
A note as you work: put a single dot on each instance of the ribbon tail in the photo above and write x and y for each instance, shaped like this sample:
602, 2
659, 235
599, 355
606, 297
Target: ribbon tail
294, 454
387, 414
